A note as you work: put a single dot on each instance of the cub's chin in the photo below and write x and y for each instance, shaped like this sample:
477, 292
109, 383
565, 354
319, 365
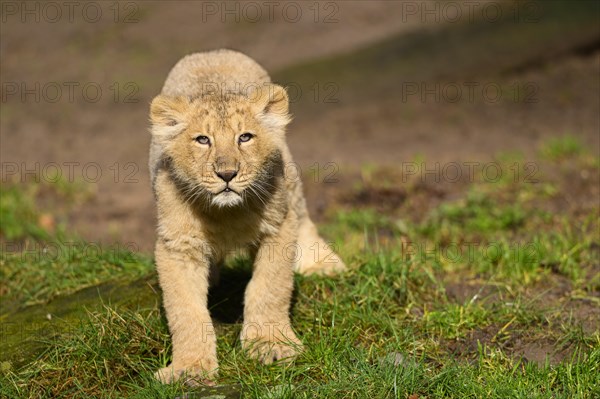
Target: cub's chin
227, 199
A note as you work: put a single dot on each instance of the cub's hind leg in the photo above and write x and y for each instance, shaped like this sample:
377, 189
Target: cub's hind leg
317, 257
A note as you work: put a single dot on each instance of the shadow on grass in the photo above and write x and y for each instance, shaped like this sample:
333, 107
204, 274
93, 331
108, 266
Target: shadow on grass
226, 299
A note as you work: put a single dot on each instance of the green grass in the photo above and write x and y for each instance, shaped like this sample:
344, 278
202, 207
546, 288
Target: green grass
38, 264
44, 270
19, 216
465, 301
561, 148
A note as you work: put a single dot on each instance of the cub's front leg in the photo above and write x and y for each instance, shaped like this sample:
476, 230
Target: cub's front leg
184, 282
267, 333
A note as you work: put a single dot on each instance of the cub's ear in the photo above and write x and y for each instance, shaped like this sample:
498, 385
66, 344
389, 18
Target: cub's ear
270, 102
168, 112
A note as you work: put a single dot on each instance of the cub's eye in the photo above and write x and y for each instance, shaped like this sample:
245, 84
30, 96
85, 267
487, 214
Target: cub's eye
245, 137
202, 140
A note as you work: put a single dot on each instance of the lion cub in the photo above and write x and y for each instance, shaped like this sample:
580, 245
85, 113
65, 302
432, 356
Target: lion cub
223, 180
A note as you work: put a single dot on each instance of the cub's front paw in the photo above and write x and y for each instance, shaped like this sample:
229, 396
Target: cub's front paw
200, 373
269, 348
268, 352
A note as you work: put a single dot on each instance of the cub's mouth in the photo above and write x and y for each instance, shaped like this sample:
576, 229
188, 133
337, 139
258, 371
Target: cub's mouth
227, 190
227, 197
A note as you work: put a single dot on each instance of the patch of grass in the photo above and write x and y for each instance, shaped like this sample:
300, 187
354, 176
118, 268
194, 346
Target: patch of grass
561, 148
39, 271
39, 261
113, 347
20, 218
354, 231
355, 329
478, 212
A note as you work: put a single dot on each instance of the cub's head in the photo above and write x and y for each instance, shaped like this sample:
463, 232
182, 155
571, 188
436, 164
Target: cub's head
223, 147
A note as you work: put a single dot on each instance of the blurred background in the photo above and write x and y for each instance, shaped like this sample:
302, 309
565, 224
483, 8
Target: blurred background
373, 84
449, 149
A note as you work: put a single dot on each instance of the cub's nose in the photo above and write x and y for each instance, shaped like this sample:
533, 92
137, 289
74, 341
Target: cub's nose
227, 175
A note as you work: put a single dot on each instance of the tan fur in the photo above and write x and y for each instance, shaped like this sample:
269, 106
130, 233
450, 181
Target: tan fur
222, 95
